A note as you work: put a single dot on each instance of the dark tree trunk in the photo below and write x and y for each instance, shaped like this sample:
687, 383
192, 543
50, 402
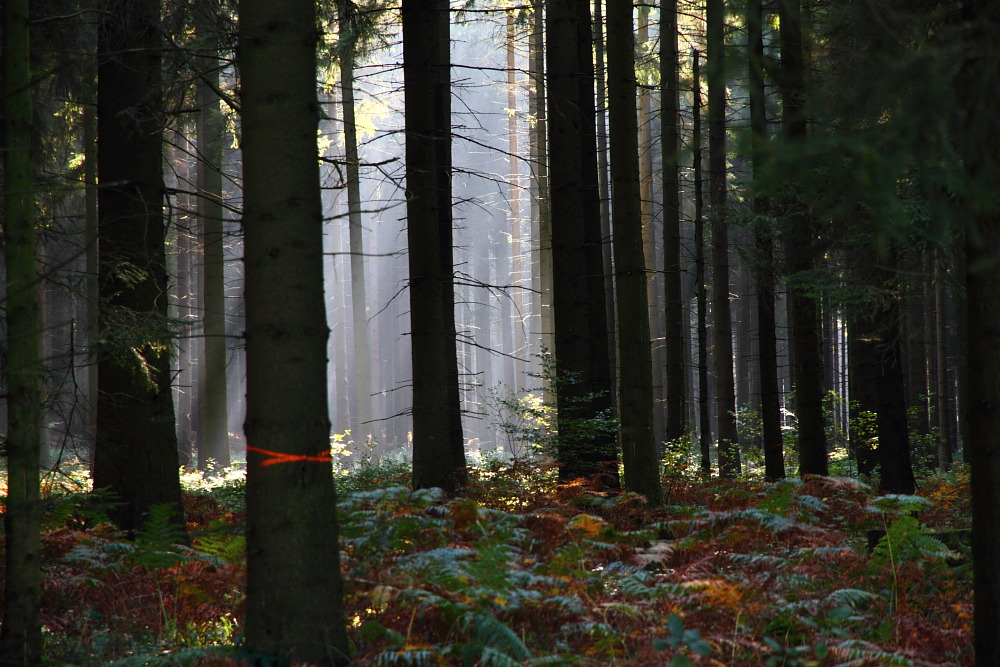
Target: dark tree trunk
583, 386
438, 448
804, 310
722, 338
214, 431
136, 452
676, 418
294, 598
763, 259
21, 635
980, 147
635, 386
704, 423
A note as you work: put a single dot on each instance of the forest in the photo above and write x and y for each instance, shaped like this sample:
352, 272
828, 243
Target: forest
492, 333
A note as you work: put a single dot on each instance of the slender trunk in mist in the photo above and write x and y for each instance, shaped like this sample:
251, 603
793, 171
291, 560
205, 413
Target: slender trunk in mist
136, 450
763, 263
604, 185
804, 309
722, 345
635, 385
540, 189
584, 387
514, 196
676, 419
438, 448
214, 432
294, 590
21, 634
701, 296
361, 424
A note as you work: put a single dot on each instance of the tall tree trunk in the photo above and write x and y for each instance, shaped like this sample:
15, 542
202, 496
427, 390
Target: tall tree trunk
804, 311
438, 448
635, 385
214, 440
941, 359
704, 423
136, 453
584, 385
674, 394
514, 196
540, 189
980, 147
294, 590
864, 360
21, 635
763, 264
722, 345
604, 185
361, 425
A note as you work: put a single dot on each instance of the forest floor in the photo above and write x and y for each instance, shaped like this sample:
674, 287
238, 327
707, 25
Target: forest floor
521, 571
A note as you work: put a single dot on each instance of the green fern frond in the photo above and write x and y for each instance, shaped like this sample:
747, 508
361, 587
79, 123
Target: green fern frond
407, 657
852, 597
859, 653
493, 633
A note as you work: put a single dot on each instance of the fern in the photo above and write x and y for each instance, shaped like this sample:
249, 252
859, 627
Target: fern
491, 633
852, 597
907, 539
191, 655
859, 653
220, 542
407, 657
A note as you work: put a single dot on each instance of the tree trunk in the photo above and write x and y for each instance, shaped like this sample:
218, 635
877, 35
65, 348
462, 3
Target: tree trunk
704, 423
214, 432
604, 187
21, 635
763, 261
583, 382
635, 385
674, 394
722, 340
980, 146
136, 452
804, 311
362, 424
438, 449
294, 602
941, 359
519, 303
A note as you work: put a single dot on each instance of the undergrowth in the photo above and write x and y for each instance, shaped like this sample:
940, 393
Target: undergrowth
522, 571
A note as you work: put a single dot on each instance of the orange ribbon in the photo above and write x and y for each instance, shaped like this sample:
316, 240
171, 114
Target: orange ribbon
273, 458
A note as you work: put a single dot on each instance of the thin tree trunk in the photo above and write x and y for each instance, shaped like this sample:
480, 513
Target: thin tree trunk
767, 359
635, 386
214, 441
21, 635
514, 196
725, 398
704, 423
604, 186
361, 425
941, 360
763, 264
674, 394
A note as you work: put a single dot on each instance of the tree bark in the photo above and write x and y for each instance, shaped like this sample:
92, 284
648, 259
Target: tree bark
980, 147
136, 450
438, 448
704, 423
294, 598
583, 382
635, 384
214, 432
21, 635
361, 424
722, 344
674, 392
804, 311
